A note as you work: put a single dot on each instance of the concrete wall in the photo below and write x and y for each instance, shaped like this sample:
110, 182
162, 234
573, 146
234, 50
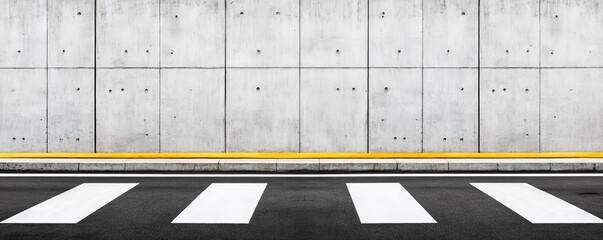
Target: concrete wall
301, 75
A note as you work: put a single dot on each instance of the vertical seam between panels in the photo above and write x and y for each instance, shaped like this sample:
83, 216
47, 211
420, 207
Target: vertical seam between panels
95, 52
479, 102
422, 76
368, 94
225, 69
47, 89
539, 76
159, 102
299, 149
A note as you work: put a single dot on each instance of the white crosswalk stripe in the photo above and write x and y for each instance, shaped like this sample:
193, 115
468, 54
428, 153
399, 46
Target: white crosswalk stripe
386, 203
534, 204
73, 205
224, 203
235, 203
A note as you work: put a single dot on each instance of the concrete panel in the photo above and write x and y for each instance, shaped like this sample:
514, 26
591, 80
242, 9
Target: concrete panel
23, 31
127, 116
192, 110
249, 165
262, 110
572, 108
71, 110
333, 110
353, 165
395, 117
263, 33
572, 35
422, 165
127, 33
509, 33
509, 120
192, 33
71, 33
450, 110
450, 33
23, 110
395, 33
334, 33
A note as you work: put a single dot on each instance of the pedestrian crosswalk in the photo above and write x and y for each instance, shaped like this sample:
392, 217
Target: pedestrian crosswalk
74, 205
386, 203
235, 203
224, 203
534, 204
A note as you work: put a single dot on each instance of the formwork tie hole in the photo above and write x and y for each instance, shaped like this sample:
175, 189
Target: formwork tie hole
257, 88
79, 13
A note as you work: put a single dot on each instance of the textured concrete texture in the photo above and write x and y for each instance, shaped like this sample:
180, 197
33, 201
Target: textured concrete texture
291, 165
301, 76
304, 165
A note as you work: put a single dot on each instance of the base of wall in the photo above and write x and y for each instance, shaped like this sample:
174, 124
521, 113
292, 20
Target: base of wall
303, 165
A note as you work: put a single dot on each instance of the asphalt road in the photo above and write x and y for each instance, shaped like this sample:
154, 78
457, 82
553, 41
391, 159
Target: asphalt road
300, 207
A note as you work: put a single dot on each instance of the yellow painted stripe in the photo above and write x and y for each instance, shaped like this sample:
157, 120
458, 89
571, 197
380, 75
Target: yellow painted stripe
305, 155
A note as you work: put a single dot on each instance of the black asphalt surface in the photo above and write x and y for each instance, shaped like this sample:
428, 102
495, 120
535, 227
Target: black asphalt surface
301, 208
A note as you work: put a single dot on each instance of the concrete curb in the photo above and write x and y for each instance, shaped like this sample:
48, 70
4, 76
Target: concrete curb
304, 165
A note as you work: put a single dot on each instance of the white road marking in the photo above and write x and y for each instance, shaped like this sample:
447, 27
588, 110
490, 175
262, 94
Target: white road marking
177, 175
232, 203
73, 205
535, 205
386, 203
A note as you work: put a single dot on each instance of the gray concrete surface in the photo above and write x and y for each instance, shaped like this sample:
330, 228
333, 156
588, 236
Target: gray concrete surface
304, 165
532, 85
